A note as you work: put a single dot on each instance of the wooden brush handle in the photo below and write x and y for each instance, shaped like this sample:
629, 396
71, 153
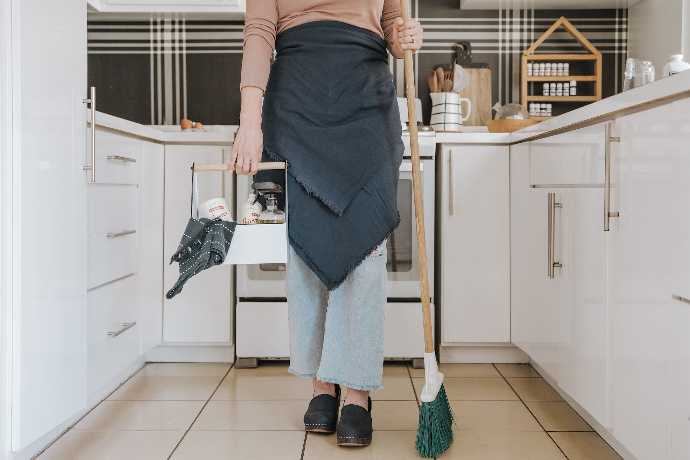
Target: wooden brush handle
411, 94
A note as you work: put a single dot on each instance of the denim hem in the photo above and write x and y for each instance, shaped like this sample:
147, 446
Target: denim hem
306, 375
346, 384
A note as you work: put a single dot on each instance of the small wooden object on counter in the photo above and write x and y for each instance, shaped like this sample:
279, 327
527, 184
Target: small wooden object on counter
508, 126
592, 55
478, 91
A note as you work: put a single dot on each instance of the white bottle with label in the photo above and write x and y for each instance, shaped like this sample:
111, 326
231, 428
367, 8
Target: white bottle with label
675, 65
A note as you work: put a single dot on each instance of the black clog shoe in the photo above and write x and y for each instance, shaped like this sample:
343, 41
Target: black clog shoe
322, 413
355, 427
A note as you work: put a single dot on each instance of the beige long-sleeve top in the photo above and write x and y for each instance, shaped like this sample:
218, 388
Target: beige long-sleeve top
265, 19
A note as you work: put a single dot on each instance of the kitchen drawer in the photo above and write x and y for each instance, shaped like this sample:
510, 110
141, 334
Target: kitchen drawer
117, 158
112, 237
575, 158
113, 335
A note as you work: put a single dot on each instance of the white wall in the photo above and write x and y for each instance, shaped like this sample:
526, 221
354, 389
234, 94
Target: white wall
655, 30
6, 108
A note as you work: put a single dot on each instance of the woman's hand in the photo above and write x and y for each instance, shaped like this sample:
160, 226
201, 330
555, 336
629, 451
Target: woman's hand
407, 35
249, 140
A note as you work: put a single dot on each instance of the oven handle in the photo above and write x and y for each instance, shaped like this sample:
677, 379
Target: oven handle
406, 166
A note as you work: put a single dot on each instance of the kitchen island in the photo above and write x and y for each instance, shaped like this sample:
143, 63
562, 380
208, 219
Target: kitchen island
569, 243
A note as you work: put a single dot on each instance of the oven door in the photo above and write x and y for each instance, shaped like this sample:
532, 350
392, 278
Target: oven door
402, 264
267, 281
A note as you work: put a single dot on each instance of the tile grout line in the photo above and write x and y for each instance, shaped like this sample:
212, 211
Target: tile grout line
530, 411
304, 445
215, 390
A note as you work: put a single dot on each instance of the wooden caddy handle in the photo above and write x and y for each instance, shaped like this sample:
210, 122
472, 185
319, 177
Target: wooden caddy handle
263, 166
411, 94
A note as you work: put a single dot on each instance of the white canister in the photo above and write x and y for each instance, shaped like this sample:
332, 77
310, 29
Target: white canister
675, 65
566, 69
447, 113
215, 208
529, 69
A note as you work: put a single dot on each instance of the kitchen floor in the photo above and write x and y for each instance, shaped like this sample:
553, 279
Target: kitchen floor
210, 411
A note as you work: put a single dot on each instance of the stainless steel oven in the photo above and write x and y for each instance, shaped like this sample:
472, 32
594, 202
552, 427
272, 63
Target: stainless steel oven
267, 282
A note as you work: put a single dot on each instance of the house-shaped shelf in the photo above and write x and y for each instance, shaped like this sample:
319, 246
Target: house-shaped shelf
591, 53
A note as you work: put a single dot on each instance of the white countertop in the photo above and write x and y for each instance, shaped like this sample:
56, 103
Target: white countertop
668, 89
171, 134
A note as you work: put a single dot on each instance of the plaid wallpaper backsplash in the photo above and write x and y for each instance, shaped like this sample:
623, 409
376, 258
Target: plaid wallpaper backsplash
159, 69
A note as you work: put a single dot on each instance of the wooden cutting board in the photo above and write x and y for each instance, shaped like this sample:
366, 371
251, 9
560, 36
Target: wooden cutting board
479, 92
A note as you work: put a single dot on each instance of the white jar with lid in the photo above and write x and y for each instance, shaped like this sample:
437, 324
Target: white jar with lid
675, 65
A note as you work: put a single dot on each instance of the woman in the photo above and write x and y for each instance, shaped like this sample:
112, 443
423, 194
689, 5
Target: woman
330, 111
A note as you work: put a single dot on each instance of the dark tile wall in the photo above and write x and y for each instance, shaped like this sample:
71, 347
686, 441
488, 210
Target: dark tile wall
157, 70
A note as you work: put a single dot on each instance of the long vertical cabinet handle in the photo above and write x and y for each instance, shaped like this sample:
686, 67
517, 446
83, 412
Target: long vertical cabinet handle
608, 214
451, 184
553, 264
92, 103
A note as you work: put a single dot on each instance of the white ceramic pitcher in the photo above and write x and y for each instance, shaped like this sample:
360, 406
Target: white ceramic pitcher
446, 111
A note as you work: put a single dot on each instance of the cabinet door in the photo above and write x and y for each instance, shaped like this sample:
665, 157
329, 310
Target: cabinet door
202, 312
537, 300
475, 239
151, 241
648, 258
584, 322
49, 222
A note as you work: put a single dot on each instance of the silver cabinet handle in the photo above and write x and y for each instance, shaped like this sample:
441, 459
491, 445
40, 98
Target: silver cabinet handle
92, 102
121, 158
124, 327
608, 214
111, 235
553, 264
451, 184
681, 299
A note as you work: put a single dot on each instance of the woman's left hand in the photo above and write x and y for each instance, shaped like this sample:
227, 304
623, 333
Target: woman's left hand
407, 35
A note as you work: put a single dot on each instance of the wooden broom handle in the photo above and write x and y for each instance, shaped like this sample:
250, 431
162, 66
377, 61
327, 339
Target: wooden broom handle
411, 94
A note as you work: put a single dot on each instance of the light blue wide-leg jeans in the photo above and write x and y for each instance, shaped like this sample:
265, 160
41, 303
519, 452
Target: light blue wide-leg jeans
337, 336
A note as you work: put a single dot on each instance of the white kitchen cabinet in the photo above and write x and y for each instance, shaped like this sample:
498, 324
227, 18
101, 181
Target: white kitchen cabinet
474, 246
202, 312
236, 7
537, 301
48, 265
559, 315
649, 263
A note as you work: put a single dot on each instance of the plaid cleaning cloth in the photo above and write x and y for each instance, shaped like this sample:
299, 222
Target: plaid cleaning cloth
204, 244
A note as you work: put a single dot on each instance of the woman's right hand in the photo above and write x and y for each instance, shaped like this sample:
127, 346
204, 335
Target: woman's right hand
249, 140
247, 148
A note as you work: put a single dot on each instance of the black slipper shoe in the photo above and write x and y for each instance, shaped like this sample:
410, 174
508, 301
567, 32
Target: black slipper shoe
322, 413
354, 427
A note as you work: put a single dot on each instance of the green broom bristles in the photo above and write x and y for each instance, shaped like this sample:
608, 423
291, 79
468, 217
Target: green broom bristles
435, 430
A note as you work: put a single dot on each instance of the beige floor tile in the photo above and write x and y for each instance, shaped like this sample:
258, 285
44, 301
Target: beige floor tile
252, 415
531, 389
395, 388
474, 389
395, 369
386, 445
395, 415
239, 386
507, 445
267, 368
141, 415
185, 369
557, 416
240, 445
493, 416
113, 445
585, 446
517, 370
463, 370
164, 388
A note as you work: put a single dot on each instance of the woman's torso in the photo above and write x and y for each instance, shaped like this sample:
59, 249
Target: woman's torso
361, 13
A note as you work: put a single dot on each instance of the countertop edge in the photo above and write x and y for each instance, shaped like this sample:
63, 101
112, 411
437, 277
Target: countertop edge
653, 95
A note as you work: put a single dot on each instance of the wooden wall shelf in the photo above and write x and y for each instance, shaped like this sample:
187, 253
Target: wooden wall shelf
590, 54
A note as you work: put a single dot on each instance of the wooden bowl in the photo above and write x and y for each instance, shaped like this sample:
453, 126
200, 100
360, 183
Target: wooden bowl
508, 126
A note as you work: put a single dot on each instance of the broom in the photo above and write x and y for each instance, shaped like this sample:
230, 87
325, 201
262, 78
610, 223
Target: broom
435, 431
